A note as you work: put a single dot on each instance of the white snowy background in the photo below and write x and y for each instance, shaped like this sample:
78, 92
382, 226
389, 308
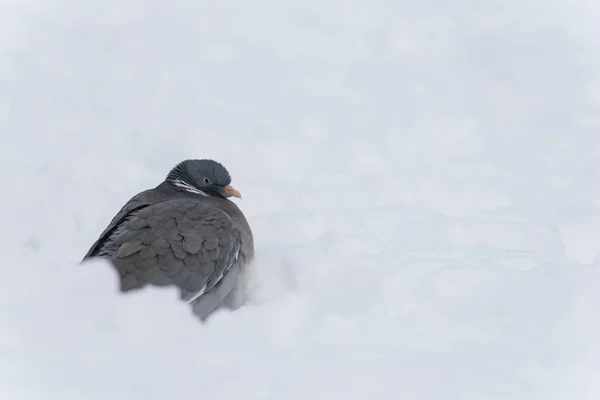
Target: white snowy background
422, 178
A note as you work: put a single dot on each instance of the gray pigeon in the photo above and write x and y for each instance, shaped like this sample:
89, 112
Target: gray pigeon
184, 232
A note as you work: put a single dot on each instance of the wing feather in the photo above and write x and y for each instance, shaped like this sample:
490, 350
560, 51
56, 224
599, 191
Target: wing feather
182, 242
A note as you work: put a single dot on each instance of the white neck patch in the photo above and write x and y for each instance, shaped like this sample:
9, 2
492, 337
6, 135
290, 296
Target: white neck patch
188, 188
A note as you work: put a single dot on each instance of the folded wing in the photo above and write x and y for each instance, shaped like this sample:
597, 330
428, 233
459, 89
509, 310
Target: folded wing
181, 242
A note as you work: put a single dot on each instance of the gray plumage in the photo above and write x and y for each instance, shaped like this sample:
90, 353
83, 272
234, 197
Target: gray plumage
184, 232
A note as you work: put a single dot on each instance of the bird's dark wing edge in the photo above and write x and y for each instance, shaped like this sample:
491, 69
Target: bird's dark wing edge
134, 205
112, 227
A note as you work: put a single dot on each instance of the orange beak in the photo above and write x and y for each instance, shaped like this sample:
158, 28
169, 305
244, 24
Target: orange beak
232, 192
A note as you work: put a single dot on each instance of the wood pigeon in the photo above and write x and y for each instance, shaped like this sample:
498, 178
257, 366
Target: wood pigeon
184, 232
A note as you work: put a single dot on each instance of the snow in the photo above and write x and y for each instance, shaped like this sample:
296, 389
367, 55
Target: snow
421, 178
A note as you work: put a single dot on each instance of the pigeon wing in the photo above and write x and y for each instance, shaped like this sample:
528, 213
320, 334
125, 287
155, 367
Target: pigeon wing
182, 242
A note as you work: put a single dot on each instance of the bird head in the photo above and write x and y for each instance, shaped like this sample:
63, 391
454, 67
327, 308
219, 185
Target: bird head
205, 177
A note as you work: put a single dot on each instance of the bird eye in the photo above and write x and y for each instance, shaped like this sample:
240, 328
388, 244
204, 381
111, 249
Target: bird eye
206, 181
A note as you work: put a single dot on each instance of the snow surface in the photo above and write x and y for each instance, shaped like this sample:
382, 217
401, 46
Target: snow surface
422, 179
